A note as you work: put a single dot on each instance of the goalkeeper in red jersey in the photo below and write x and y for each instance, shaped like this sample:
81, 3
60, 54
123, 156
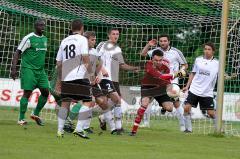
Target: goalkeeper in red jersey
153, 85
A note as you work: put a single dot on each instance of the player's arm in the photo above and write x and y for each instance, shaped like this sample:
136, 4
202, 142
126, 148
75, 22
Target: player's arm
16, 56
86, 62
149, 68
151, 43
25, 44
190, 78
127, 67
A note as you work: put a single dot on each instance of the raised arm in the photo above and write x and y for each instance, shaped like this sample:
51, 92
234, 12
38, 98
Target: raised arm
151, 43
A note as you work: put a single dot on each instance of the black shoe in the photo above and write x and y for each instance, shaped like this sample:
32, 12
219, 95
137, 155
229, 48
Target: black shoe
81, 134
132, 134
187, 131
68, 126
116, 132
89, 130
163, 111
37, 119
103, 125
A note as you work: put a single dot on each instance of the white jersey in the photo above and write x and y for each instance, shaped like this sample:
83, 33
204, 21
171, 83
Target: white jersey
95, 57
175, 58
111, 56
70, 54
206, 73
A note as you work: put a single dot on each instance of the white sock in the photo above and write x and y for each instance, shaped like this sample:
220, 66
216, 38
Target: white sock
62, 116
118, 116
180, 117
188, 122
108, 116
88, 121
85, 113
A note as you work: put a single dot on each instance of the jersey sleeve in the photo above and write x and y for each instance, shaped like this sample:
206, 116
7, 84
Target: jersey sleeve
24, 44
59, 54
181, 59
195, 68
149, 53
120, 58
84, 48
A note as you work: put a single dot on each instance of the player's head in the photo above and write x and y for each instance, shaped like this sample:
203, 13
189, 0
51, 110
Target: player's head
113, 35
91, 36
77, 26
209, 49
157, 57
164, 41
39, 26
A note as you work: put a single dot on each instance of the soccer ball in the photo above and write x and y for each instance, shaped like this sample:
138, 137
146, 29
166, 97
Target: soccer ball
173, 90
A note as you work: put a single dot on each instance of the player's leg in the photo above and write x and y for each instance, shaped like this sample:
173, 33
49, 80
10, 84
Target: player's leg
207, 104
43, 86
140, 112
179, 113
102, 101
117, 110
28, 84
165, 101
85, 113
23, 106
146, 117
62, 116
41, 102
191, 101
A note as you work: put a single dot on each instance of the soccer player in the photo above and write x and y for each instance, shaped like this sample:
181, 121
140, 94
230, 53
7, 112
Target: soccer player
32, 50
201, 84
74, 77
153, 85
176, 61
111, 55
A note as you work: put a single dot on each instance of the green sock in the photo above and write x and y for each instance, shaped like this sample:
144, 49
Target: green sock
75, 111
23, 108
41, 102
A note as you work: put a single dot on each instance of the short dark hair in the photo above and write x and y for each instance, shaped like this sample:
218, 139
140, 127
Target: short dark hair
89, 34
157, 52
111, 29
38, 21
164, 35
76, 25
211, 44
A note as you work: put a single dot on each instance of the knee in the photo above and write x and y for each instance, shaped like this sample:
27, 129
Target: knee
187, 108
211, 113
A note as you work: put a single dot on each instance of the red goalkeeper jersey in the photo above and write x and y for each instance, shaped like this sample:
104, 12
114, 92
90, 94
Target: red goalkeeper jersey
157, 75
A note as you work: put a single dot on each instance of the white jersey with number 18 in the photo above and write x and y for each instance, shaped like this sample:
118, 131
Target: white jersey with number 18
70, 54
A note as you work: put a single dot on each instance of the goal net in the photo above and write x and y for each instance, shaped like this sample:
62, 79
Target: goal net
188, 23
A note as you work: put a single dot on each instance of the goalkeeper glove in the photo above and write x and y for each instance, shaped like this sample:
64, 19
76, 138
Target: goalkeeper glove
180, 73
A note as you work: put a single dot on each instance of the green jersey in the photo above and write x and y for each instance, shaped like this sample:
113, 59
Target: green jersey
33, 49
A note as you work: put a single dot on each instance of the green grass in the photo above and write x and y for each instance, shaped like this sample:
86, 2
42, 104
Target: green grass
162, 140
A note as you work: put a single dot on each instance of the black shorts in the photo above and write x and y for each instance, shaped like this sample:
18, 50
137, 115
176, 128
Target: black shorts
206, 103
79, 89
107, 86
152, 92
96, 90
117, 87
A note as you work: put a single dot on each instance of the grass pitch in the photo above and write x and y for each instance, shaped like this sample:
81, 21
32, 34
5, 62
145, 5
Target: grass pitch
162, 140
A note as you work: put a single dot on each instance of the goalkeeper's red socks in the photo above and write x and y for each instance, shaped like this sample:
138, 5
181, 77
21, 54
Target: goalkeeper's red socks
138, 119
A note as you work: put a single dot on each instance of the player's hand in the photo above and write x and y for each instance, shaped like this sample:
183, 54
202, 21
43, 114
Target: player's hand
136, 69
152, 42
232, 76
185, 89
13, 73
180, 73
97, 80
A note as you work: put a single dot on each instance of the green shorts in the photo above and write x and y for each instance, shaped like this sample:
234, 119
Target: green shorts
31, 79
